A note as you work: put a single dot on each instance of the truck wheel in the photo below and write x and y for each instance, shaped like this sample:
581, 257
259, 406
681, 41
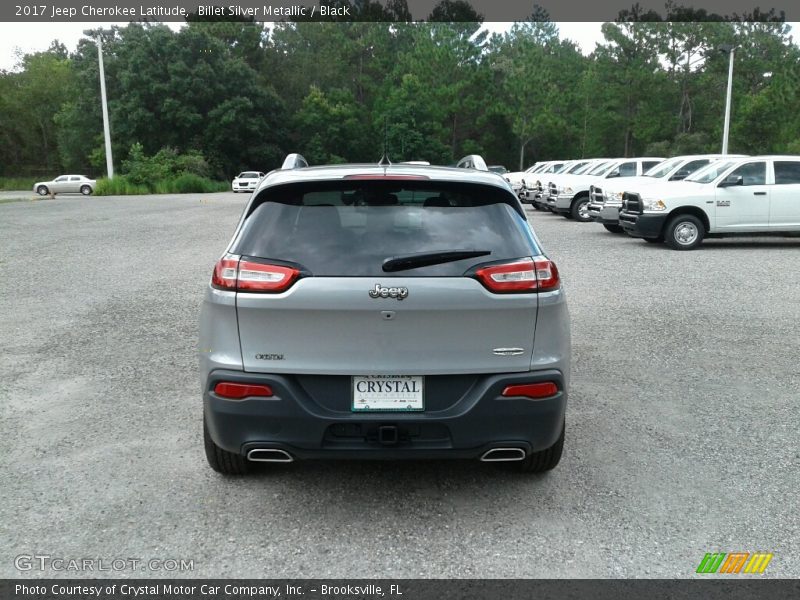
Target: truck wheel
684, 232
580, 209
544, 460
221, 460
613, 228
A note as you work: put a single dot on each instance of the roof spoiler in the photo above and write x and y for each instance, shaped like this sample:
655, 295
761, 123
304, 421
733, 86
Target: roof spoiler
294, 161
473, 161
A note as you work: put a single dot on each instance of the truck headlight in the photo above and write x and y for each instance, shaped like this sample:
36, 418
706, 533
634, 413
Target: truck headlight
652, 204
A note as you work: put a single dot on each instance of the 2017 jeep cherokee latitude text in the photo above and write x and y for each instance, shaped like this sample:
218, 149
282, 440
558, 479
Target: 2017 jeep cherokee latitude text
369, 311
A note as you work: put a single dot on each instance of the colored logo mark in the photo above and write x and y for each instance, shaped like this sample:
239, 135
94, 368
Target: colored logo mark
734, 562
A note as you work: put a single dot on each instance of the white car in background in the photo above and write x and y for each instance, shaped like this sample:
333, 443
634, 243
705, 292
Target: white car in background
522, 182
548, 184
66, 184
739, 196
246, 181
515, 177
572, 199
606, 197
531, 189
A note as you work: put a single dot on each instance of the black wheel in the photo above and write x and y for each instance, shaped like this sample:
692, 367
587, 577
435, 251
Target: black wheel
580, 209
221, 460
684, 232
544, 460
613, 228
86, 190
42, 190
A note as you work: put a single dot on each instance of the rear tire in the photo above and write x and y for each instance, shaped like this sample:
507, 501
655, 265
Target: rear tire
544, 460
86, 190
42, 190
613, 228
221, 460
684, 232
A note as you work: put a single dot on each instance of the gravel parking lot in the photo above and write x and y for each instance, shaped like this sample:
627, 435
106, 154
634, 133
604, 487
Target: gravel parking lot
682, 429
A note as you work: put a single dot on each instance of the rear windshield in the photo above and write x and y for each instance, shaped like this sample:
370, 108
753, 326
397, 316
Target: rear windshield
346, 229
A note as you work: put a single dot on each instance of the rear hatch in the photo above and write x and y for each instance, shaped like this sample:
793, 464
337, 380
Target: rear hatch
377, 276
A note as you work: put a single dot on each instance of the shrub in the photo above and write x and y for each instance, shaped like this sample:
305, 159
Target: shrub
119, 186
189, 184
165, 164
18, 183
186, 183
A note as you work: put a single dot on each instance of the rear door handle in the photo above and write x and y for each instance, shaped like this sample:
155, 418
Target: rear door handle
759, 193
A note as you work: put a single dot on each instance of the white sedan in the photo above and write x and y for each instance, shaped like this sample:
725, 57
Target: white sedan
246, 181
66, 184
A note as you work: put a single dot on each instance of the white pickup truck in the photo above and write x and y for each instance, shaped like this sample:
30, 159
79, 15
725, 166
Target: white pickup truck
571, 198
522, 181
550, 184
757, 195
606, 196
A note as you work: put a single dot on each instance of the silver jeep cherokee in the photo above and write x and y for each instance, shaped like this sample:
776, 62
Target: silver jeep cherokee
384, 311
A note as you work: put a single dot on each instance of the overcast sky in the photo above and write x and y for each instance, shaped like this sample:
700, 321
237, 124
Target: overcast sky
32, 37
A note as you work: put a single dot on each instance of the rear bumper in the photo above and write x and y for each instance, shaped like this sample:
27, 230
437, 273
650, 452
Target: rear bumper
642, 225
481, 418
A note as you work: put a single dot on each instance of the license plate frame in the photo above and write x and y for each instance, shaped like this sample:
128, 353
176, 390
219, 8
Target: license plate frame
364, 400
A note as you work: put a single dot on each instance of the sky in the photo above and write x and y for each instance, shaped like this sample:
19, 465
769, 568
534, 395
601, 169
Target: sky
34, 37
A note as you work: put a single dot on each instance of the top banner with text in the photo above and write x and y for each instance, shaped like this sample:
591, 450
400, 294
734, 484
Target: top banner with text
389, 10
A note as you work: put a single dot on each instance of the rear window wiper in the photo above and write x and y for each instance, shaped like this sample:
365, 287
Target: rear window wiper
424, 259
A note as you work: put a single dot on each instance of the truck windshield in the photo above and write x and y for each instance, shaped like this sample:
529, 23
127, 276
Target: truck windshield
711, 172
663, 169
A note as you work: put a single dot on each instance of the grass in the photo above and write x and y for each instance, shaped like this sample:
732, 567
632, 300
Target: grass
11, 184
119, 186
182, 184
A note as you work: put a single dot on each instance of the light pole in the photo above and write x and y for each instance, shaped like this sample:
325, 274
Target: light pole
104, 102
729, 50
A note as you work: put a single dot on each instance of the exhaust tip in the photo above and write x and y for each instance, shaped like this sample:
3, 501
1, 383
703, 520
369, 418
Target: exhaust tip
273, 455
503, 455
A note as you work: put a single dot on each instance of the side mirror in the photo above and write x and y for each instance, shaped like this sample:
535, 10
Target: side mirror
614, 173
731, 180
680, 175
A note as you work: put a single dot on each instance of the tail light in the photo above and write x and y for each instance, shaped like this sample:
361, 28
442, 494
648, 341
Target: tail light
237, 391
542, 389
224, 276
232, 273
538, 274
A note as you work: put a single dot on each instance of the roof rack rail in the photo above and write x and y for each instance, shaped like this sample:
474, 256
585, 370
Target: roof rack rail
473, 161
294, 161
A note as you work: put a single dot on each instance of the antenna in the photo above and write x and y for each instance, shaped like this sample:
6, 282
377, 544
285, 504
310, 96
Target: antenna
384, 161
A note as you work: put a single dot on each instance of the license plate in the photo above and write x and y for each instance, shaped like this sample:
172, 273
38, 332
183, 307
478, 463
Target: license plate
387, 392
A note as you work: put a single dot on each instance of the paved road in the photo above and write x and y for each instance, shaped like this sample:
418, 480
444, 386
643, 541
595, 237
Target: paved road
682, 426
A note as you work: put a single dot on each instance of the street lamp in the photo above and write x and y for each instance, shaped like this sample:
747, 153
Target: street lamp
729, 50
106, 128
